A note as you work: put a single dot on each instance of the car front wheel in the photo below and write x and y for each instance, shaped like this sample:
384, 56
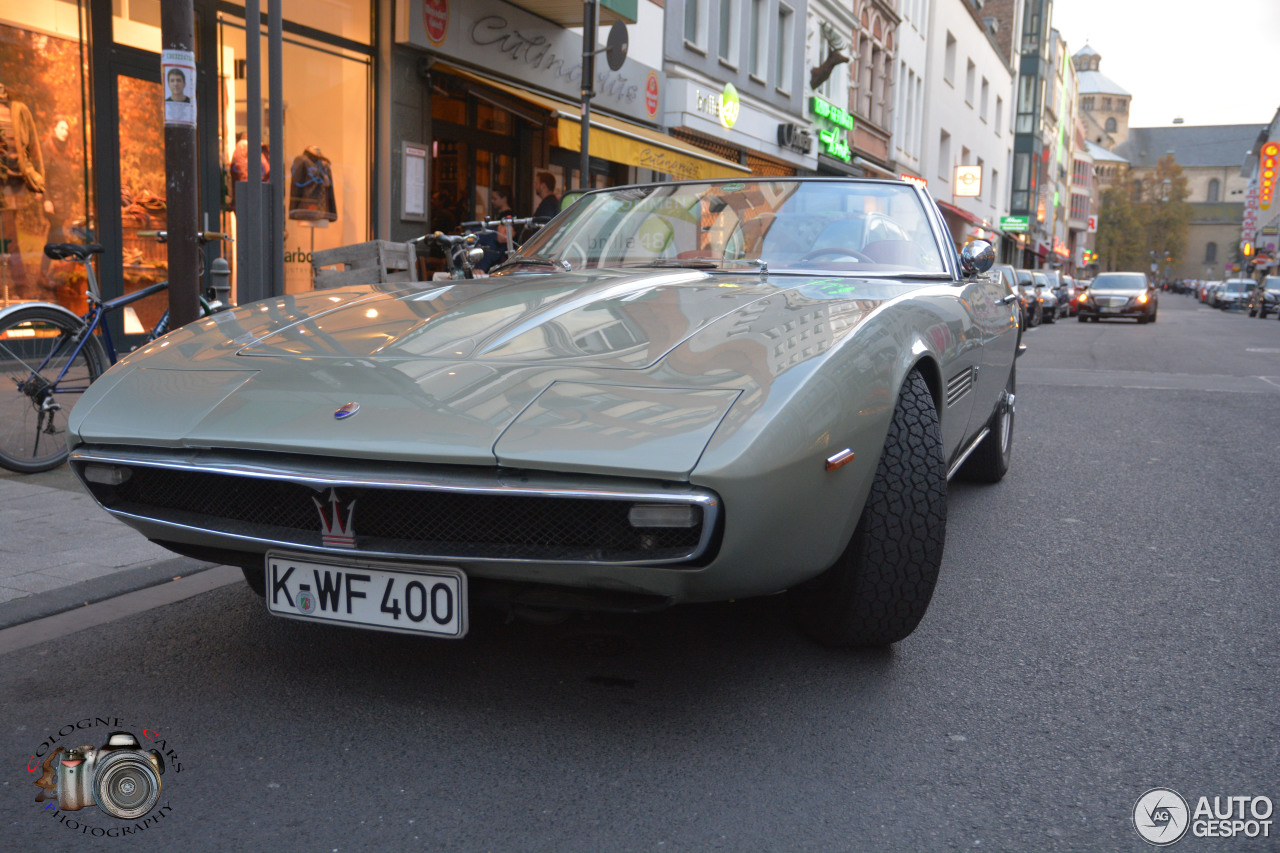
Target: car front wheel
879, 588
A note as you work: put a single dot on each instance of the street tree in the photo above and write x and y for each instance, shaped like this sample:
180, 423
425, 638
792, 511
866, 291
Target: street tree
1145, 220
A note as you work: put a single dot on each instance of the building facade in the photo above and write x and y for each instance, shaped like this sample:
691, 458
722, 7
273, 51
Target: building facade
966, 143
1212, 159
1104, 105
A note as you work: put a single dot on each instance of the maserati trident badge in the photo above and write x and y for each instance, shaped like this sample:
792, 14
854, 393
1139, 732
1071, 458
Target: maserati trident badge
347, 411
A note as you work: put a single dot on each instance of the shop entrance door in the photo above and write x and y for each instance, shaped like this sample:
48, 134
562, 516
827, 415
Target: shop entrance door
142, 260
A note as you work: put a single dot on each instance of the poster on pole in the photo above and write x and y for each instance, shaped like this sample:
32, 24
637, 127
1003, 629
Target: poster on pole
179, 69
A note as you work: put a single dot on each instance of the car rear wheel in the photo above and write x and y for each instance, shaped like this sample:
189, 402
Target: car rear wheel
989, 462
879, 588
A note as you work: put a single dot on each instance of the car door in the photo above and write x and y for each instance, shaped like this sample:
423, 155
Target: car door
995, 300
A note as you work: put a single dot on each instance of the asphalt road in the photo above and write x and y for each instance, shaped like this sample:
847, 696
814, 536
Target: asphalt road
1105, 623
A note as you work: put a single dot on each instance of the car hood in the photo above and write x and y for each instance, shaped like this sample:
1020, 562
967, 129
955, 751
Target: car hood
570, 371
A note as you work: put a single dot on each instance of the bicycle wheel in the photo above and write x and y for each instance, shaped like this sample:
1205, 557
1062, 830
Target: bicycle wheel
36, 343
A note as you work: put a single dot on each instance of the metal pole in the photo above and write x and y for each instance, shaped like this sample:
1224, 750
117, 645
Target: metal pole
588, 85
249, 278
275, 68
177, 33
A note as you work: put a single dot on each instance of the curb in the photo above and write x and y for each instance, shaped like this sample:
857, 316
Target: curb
55, 601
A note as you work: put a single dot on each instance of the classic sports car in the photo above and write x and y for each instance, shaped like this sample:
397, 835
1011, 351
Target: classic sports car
673, 393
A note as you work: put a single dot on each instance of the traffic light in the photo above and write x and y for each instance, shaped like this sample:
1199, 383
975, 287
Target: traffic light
1270, 166
1246, 249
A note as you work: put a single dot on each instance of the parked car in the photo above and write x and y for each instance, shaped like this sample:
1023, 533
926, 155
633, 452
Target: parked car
676, 392
1029, 291
1235, 293
1069, 295
1117, 295
1265, 298
1048, 297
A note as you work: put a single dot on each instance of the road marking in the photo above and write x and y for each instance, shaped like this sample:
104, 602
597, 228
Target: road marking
1064, 376
1262, 349
129, 604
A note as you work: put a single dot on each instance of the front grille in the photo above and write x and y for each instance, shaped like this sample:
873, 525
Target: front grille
418, 522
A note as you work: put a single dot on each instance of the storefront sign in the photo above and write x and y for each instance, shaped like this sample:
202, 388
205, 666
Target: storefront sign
1014, 224
968, 181
795, 138
651, 95
506, 40
723, 106
435, 20
834, 141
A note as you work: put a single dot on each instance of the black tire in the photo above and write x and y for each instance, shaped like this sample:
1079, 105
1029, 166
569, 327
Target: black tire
989, 462
1037, 316
1081, 318
879, 588
1152, 318
36, 342
1253, 312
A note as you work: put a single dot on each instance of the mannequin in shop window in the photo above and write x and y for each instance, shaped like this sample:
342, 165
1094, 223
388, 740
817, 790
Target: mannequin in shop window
311, 196
21, 173
61, 165
240, 164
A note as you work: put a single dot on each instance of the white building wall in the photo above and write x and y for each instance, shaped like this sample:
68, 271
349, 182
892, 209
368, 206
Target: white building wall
908, 108
953, 111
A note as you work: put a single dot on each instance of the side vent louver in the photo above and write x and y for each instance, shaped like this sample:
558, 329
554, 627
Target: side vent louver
959, 385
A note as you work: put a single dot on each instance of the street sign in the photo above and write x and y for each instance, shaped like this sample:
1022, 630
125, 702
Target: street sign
1014, 224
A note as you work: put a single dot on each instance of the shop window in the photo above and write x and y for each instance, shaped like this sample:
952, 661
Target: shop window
448, 108
42, 77
325, 146
136, 23
350, 19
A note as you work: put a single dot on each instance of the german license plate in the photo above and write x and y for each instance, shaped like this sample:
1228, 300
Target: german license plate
368, 593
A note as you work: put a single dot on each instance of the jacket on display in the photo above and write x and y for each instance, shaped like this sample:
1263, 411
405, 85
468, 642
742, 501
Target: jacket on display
24, 162
311, 187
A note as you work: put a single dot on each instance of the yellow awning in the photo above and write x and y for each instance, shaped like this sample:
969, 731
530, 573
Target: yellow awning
620, 141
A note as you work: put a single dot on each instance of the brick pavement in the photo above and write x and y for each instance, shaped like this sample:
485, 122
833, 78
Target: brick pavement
59, 549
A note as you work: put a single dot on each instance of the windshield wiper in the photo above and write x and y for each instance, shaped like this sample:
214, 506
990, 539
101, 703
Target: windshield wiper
696, 263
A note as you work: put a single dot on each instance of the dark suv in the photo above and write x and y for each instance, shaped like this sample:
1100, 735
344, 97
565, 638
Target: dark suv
1119, 294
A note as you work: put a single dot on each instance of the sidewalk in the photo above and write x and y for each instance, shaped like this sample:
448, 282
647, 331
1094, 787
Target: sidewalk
60, 550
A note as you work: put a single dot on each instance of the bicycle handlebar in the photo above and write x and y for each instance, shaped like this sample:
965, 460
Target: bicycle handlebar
201, 236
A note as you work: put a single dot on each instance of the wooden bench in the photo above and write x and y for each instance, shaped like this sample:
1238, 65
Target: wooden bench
365, 263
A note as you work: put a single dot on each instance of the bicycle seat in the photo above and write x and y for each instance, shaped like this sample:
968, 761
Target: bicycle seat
79, 251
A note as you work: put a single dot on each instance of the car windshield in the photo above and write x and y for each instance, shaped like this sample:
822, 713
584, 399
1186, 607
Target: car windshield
1120, 281
1237, 286
863, 227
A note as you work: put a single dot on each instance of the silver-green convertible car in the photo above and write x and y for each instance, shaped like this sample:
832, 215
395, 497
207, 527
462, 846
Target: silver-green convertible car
679, 392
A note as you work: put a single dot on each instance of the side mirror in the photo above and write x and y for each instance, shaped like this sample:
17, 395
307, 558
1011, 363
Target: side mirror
976, 257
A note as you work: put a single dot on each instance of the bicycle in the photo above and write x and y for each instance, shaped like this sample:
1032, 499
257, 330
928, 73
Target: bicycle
50, 356
463, 252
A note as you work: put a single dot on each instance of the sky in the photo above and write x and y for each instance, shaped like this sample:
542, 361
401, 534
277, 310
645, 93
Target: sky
1215, 63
